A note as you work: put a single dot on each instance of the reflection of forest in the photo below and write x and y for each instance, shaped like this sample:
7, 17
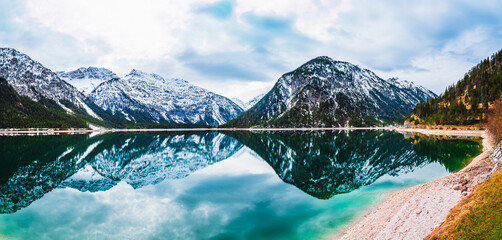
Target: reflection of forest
453, 152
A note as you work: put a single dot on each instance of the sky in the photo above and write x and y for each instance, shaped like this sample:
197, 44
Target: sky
240, 48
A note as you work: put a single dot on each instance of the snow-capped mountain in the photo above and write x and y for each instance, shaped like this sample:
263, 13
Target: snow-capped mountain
239, 103
253, 101
328, 93
249, 104
87, 79
145, 97
32, 79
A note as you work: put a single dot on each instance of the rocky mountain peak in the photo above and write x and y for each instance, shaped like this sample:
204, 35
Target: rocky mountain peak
89, 73
86, 79
138, 75
328, 93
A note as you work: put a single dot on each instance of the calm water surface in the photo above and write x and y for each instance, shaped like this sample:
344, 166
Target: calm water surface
210, 185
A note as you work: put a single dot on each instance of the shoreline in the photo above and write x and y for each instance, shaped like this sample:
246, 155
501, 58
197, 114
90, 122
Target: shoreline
457, 132
414, 212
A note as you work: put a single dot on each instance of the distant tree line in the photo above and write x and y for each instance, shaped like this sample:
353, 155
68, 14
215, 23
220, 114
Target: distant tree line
466, 102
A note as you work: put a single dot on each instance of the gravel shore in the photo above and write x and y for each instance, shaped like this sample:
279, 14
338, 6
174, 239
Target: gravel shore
413, 213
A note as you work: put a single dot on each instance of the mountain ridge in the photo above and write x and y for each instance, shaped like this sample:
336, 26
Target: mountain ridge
328, 93
148, 97
31, 79
87, 79
247, 105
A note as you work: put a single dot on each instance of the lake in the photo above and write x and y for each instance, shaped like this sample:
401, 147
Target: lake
211, 185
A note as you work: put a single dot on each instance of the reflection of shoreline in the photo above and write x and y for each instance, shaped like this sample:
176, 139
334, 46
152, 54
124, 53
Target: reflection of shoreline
413, 213
398, 129
441, 132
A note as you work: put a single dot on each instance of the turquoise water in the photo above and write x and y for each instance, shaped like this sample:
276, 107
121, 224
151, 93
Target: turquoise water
210, 185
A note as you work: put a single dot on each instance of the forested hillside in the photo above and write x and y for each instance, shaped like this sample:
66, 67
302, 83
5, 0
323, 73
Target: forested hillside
21, 112
467, 101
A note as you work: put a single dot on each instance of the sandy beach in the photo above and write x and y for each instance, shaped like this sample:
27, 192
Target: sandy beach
413, 213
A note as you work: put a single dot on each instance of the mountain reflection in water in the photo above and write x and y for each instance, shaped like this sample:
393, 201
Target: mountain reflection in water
320, 163
324, 164
35, 166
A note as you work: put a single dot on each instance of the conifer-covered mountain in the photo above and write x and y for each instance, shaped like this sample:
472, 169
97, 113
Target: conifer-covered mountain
87, 79
328, 93
467, 101
21, 112
149, 98
31, 79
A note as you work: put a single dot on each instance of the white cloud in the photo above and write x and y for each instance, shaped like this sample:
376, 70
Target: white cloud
315, 19
434, 71
134, 30
429, 42
244, 91
467, 41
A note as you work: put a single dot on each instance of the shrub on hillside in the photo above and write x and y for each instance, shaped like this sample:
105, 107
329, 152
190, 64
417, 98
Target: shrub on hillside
494, 123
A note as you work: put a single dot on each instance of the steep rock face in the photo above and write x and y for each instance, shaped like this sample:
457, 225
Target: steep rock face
87, 79
328, 93
143, 97
30, 78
